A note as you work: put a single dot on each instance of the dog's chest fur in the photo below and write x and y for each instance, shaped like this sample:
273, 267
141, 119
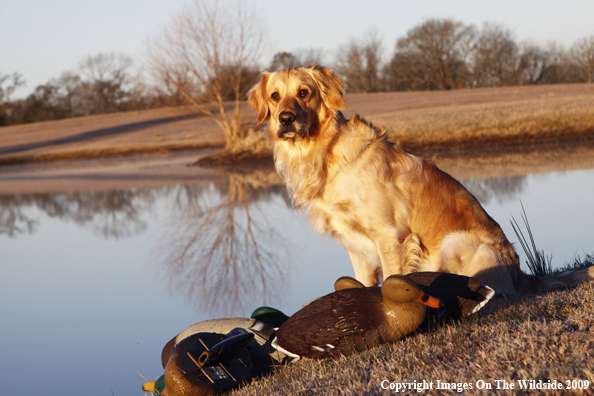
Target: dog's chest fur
338, 187
339, 213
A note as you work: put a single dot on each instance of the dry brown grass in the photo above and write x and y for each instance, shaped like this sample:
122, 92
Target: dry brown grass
491, 124
491, 117
548, 337
425, 121
256, 147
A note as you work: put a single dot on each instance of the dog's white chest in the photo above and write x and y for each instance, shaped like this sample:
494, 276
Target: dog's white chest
339, 220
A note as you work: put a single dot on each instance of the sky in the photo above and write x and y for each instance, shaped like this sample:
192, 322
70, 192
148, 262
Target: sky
41, 39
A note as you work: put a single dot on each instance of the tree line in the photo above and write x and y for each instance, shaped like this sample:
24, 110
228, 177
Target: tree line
101, 84
443, 54
203, 60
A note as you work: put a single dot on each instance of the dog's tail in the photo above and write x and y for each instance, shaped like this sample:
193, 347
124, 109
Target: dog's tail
525, 283
568, 279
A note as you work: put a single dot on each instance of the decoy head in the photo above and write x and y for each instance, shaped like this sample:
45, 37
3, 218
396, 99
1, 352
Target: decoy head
398, 289
401, 289
405, 304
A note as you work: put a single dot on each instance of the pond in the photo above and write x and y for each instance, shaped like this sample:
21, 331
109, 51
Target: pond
95, 283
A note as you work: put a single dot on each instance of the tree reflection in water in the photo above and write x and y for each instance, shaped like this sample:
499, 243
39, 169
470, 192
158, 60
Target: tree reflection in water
502, 189
13, 220
111, 214
223, 250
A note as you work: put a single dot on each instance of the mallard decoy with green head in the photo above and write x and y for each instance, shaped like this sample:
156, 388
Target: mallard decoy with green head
215, 355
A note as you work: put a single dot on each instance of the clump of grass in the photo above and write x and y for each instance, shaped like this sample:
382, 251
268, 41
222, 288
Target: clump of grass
256, 147
578, 263
538, 263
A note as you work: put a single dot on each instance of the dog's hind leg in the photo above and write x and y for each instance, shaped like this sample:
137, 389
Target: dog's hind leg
465, 253
399, 258
365, 273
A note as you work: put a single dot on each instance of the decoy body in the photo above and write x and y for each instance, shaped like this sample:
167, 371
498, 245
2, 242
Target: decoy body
212, 356
460, 295
354, 318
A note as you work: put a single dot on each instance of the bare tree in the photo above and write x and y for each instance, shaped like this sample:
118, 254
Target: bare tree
106, 76
14, 81
72, 94
208, 54
284, 60
495, 58
359, 63
581, 55
307, 56
302, 57
433, 55
538, 65
5, 92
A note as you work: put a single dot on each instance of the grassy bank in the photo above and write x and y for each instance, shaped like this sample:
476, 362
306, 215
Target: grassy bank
542, 117
546, 337
492, 124
532, 338
422, 121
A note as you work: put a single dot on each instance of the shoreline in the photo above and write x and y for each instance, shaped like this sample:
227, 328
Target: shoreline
108, 151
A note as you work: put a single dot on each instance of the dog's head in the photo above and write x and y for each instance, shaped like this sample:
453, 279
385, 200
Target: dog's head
297, 100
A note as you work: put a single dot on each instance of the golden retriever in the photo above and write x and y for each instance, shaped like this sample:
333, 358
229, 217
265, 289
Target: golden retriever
394, 212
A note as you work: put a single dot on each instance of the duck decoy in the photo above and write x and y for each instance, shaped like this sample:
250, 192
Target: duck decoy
215, 355
270, 316
461, 295
355, 318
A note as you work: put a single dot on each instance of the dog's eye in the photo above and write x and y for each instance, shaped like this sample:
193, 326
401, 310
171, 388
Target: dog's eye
275, 96
303, 93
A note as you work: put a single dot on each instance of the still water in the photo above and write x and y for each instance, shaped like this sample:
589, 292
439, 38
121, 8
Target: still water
94, 284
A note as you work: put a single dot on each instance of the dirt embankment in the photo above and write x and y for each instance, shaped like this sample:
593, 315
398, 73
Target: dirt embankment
165, 130
41, 156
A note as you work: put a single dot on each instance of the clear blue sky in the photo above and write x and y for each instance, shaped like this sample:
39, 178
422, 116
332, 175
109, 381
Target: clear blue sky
43, 38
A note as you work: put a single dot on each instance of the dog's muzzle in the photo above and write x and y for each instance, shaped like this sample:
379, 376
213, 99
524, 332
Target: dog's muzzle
287, 128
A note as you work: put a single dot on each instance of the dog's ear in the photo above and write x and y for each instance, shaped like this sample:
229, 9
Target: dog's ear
257, 98
331, 86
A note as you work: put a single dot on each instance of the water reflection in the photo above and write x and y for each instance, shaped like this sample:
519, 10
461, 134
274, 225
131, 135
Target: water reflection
222, 248
13, 220
208, 206
111, 214
501, 190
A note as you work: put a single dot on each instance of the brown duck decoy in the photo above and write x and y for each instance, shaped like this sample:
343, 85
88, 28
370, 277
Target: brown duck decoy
461, 295
355, 318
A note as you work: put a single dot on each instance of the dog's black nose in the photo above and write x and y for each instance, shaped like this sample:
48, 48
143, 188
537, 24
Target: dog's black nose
286, 118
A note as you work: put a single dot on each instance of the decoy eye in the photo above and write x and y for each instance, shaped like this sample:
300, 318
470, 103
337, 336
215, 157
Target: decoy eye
424, 298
